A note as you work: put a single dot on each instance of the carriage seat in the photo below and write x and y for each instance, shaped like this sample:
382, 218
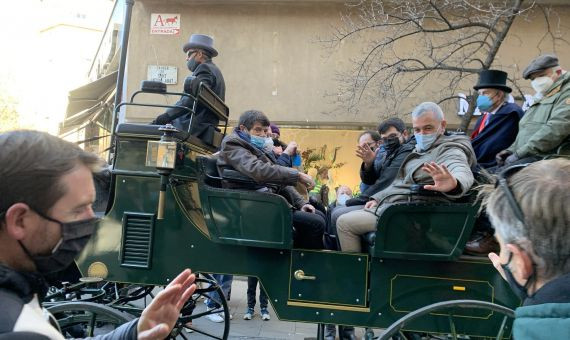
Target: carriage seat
242, 217
421, 230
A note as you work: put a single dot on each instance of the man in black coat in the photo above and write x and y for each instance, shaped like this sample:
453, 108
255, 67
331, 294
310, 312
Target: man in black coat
199, 53
497, 127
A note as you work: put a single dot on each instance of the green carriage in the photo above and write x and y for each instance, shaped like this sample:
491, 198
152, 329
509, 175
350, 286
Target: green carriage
168, 211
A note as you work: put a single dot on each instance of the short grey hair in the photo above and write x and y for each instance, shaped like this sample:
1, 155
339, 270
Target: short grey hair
425, 107
543, 191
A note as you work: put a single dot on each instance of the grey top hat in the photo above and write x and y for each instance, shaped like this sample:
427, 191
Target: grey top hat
540, 63
493, 79
201, 41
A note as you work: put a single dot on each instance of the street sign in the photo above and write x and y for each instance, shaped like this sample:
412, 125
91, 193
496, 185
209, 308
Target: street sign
163, 73
165, 23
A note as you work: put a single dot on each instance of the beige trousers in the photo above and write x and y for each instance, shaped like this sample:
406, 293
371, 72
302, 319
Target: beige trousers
353, 224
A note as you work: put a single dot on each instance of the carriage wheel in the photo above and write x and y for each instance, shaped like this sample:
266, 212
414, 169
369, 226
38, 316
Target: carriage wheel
86, 319
194, 312
397, 326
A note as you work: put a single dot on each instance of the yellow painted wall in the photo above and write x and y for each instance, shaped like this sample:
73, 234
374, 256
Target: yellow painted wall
347, 139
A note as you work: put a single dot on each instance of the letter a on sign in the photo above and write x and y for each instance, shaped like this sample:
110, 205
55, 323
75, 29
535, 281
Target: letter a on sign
165, 23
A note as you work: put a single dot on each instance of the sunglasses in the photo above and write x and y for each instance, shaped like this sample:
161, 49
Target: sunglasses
504, 185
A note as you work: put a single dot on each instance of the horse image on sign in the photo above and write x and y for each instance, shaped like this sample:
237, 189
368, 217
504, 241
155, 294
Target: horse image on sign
165, 23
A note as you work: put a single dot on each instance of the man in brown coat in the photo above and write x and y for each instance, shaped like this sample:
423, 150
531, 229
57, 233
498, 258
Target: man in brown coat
243, 150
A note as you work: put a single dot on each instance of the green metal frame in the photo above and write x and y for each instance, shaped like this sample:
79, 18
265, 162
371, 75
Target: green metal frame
384, 286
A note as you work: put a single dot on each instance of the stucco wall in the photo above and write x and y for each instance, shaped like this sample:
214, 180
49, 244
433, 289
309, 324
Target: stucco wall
271, 60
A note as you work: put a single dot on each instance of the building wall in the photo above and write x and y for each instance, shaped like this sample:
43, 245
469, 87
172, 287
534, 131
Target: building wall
271, 61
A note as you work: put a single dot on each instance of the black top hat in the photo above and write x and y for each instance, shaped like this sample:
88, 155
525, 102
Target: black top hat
493, 79
201, 41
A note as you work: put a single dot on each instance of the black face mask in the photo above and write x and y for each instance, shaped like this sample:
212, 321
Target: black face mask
74, 237
391, 144
519, 290
192, 64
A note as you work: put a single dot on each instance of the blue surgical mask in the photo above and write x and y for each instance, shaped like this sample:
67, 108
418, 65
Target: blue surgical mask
268, 144
424, 142
342, 198
257, 141
484, 103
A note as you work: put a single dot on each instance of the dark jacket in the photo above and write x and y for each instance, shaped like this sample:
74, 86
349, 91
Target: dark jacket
239, 154
204, 120
545, 315
499, 133
386, 174
23, 317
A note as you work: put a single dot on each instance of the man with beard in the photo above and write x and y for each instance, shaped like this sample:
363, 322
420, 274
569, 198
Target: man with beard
46, 219
199, 52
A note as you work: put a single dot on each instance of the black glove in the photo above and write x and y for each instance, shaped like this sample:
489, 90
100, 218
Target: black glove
358, 200
501, 156
162, 119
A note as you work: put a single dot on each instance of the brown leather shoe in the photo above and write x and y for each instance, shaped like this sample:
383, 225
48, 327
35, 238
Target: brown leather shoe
482, 245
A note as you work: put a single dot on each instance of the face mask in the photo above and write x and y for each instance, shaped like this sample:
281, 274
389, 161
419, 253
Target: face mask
541, 84
257, 141
391, 144
518, 289
268, 144
74, 237
484, 103
424, 142
192, 64
342, 198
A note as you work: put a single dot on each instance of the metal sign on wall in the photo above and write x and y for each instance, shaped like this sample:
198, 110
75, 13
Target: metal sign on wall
164, 23
163, 73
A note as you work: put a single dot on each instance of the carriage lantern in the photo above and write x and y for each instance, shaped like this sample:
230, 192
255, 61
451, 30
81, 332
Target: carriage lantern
162, 155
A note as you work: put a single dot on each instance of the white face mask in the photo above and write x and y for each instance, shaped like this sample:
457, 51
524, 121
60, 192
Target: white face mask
342, 198
424, 142
541, 84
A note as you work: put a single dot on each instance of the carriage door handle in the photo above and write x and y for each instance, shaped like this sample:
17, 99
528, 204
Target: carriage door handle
300, 275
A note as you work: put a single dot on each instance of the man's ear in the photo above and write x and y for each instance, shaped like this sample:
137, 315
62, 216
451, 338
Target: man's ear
242, 128
443, 124
406, 134
521, 263
16, 218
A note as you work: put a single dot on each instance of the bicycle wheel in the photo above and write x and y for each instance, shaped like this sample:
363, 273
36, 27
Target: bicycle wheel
196, 317
395, 330
86, 319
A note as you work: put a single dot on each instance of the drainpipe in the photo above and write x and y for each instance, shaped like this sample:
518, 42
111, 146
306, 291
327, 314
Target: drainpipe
121, 73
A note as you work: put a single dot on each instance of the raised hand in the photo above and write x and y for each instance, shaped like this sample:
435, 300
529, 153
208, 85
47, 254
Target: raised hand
443, 179
365, 153
160, 316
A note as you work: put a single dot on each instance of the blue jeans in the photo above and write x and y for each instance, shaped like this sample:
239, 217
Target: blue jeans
225, 282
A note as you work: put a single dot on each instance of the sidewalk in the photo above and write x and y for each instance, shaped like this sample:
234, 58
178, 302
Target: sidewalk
257, 328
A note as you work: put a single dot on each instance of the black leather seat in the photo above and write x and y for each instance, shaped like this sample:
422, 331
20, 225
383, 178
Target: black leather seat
212, 177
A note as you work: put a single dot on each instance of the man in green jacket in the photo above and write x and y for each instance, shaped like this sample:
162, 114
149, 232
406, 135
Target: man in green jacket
529, 211
546, 124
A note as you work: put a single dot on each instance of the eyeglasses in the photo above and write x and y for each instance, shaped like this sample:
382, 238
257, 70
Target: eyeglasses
190, 52
504, 185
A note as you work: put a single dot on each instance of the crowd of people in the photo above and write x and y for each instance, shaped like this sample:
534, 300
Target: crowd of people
47, 218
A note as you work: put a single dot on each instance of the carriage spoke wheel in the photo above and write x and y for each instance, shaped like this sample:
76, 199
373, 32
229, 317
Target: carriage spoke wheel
395, 329
194, 312
86, 319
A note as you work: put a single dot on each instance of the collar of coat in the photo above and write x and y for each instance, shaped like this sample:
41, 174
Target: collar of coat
23, 284
555, 291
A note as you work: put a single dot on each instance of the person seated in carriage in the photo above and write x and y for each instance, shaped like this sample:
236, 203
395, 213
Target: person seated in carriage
441, 163
243, 150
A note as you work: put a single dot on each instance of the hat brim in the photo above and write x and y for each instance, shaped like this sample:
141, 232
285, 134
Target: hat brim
211, 50
493, 86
